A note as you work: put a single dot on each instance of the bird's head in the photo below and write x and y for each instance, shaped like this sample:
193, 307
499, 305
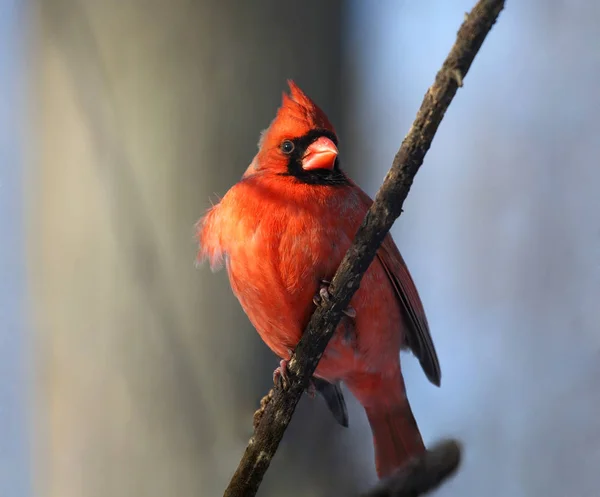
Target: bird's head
300, 143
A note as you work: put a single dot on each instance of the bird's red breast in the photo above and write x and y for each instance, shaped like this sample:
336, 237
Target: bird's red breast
283, 228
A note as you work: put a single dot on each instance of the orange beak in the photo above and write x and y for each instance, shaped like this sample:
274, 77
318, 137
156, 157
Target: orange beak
320, 154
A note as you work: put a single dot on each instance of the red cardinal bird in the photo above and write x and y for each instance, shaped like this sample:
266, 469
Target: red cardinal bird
282, 230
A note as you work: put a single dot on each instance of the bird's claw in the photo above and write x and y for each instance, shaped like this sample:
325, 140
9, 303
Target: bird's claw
280, 375
281, 379
324, 296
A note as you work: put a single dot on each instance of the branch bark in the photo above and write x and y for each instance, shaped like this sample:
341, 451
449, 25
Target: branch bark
378, 221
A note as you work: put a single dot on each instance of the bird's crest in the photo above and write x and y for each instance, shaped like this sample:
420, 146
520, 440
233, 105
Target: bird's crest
297, 116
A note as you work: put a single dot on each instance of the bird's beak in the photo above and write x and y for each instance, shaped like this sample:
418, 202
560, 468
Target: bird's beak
320, 154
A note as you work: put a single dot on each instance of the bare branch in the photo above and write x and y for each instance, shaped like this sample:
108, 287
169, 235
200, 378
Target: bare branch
278, 412
421, 475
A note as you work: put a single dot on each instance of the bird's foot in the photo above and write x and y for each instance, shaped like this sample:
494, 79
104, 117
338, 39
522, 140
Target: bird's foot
281, 379
349, 334
324, 296
280, 375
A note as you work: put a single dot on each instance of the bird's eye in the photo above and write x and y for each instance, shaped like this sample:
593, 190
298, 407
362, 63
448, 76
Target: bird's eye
287, 147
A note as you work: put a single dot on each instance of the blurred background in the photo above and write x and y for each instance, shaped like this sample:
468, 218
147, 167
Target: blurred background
124, 370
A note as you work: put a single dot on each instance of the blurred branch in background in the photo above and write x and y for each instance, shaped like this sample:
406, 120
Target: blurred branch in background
386, 208
421, 475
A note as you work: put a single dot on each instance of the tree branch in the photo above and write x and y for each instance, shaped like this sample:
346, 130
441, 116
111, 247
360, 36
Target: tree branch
378, 221
421, 475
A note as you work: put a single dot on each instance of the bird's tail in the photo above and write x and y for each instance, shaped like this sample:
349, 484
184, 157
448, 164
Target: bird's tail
396, 435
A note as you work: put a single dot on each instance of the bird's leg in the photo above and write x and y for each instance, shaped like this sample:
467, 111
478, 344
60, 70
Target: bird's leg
323, 296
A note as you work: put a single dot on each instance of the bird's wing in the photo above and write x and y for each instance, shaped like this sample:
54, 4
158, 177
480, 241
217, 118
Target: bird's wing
418, 337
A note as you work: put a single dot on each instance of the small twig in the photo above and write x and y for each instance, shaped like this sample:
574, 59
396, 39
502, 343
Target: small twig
277, 414
421, 475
